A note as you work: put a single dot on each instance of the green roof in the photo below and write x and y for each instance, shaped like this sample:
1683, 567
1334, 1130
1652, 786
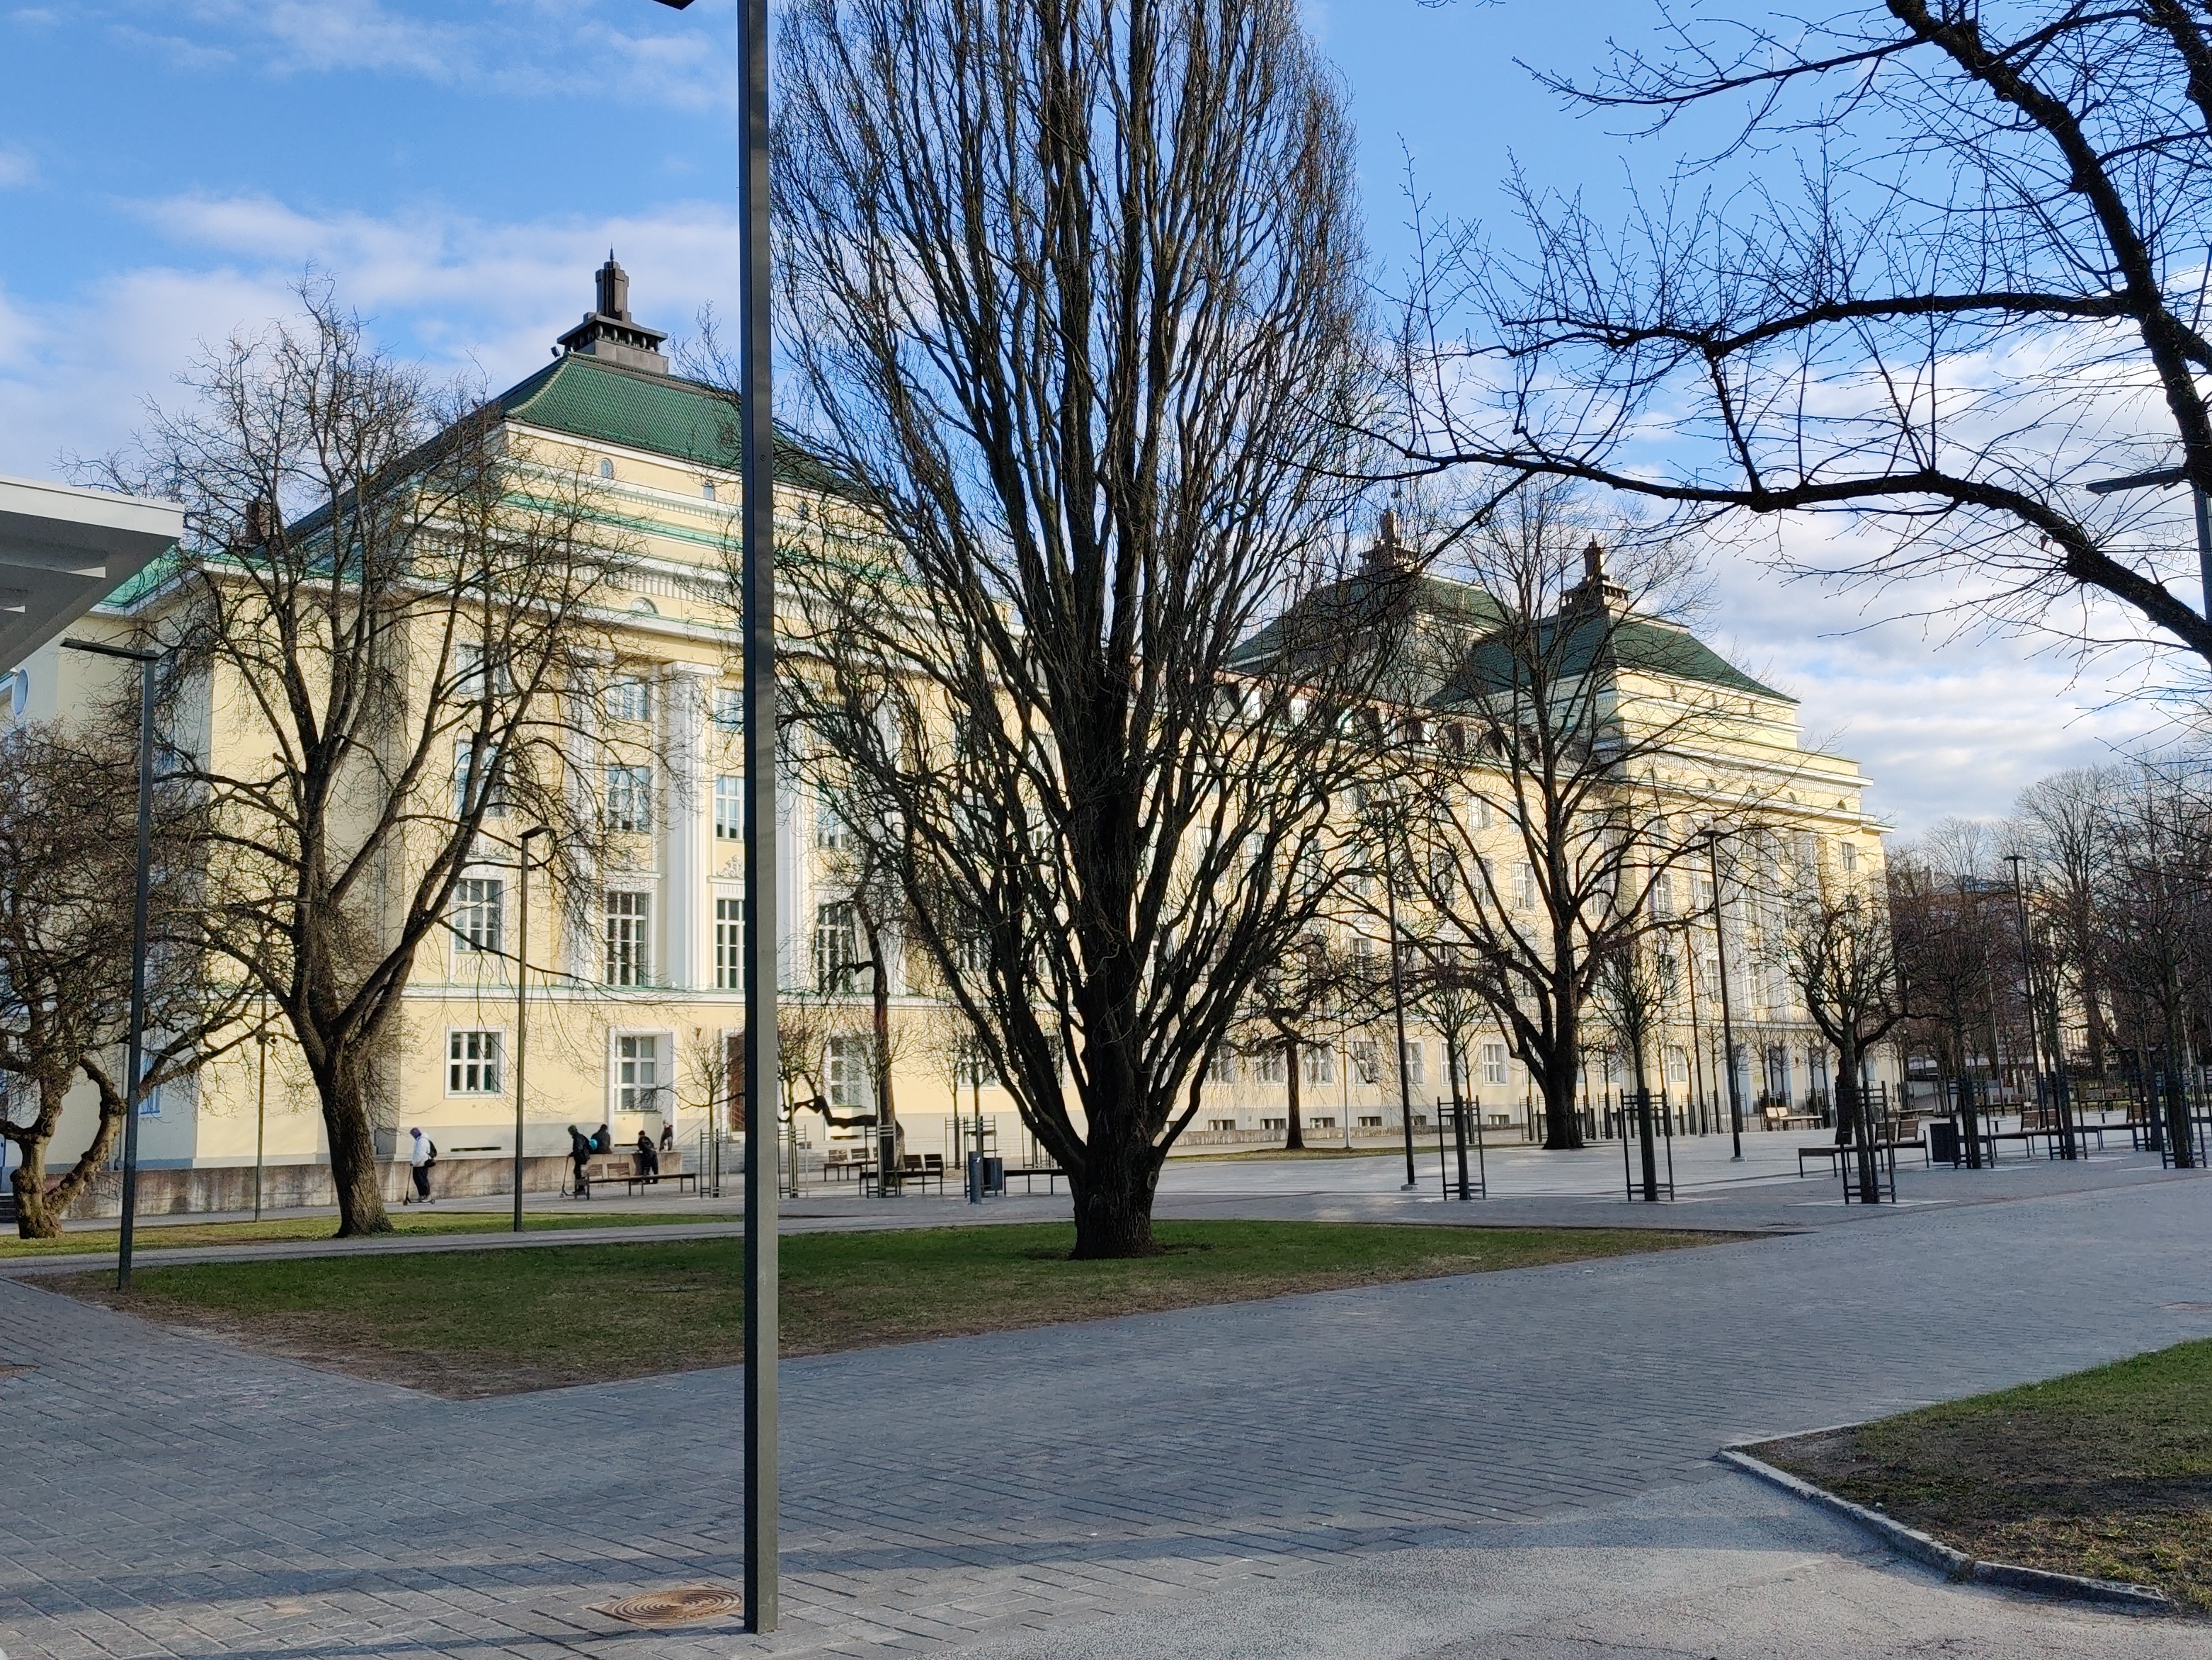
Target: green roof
685, 420
1446, 631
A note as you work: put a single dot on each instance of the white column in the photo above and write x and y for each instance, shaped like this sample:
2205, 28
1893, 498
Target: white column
685, 803
582, 947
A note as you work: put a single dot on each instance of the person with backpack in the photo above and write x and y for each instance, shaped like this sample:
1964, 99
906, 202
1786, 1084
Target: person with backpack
422, 1153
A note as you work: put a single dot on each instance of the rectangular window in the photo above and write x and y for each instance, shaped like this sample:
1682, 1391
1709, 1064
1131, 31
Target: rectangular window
472, 1063
1416, 1071
1321, 1064
1271, 1066
1485, 814
629, 698
848, 1074
1663, 895
1678, 1064
629, 798
707, 489
836, 946
1851, 856
831, 832
637, 1074
1524, 888
1224, 1070
729, 709
1366, 1060
476, 778
470, 679
629, 919
729, 808
1493, 1063
478, 903
729, 945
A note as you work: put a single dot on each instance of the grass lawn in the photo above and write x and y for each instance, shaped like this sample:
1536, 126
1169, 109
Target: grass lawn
182, 1236
2106, 1473
492, 1323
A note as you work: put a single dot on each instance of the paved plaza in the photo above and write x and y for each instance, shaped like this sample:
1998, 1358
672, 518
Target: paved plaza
1517, 1465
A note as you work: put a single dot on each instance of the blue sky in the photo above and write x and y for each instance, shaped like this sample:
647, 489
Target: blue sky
168, 166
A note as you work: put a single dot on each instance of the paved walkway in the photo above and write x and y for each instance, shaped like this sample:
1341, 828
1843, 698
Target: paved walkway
1220, 1468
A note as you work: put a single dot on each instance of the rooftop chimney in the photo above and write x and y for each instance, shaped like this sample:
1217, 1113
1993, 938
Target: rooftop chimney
608, 331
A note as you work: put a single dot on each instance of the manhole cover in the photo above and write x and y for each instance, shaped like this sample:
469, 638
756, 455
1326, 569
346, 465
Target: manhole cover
677, 1606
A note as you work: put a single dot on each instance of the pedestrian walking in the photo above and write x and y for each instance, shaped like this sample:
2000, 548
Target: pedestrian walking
579, 1155
422, 1153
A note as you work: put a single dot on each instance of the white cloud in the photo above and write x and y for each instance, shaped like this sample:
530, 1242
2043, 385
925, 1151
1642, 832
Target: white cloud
532, 48
454, 291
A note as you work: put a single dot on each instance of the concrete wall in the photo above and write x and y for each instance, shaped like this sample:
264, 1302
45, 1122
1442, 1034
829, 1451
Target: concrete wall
177, 1192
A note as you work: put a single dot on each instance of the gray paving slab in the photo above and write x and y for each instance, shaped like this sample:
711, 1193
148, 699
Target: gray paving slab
1211, 1466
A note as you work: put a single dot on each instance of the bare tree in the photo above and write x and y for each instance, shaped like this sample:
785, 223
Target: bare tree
1636, 984
1986, 291
68, 865
1559, 783
387, 620
1839, 952
1298, 1005
2063, 823
1943, 946
1077, 304
2156, 916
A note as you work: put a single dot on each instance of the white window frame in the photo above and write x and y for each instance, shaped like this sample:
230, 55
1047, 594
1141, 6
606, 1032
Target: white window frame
476, 1061
629, 798
729, 708
623, 1093
627, 697
839, 973
729, 806
477, 899
729, 942
637, 910
495, 788
846, 1073
1495, 1063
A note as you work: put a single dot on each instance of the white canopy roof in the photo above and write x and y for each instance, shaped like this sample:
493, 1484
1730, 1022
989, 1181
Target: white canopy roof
63, 550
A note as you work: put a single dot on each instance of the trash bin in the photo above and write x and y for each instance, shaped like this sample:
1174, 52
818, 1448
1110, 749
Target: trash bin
994, 1175
1942, 1141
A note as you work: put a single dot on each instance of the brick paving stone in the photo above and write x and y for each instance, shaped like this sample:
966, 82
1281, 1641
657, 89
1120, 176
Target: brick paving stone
188, 1498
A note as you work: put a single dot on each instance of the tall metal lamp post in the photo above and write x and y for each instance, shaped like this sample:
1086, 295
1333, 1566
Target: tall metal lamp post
1398, 996
1727, 1015
522, 1002
756, 524
134, 1060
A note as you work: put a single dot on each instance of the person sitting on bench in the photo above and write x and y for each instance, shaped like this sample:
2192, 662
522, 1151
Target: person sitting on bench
648, 1161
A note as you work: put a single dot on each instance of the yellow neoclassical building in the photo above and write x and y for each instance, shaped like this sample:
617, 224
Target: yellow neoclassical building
632, 1011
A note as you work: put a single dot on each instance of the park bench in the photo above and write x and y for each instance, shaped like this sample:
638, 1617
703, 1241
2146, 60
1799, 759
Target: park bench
686, 1181
921, 1168
1028, 1173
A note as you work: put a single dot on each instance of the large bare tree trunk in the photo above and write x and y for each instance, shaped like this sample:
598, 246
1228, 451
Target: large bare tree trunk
355, 1171
1294, 1138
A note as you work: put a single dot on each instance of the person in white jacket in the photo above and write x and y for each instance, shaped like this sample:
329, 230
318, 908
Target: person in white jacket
422, 1153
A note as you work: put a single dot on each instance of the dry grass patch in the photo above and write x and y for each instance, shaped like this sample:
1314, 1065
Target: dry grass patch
2106, 1473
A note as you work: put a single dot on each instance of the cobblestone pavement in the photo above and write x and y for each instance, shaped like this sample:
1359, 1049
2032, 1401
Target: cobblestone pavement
170, 1494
